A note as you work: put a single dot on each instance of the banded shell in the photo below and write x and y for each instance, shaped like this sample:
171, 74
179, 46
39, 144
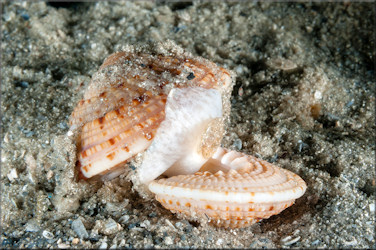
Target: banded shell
112, 139
232, 190
124, 104
174, 106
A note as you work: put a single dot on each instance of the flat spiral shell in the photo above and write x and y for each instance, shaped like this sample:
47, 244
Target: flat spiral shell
232, 189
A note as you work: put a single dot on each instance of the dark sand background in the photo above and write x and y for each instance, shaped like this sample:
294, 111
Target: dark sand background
304, 99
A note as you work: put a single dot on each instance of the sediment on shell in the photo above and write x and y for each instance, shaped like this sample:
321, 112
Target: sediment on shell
113, 139
151, 69
177, 147
136, 74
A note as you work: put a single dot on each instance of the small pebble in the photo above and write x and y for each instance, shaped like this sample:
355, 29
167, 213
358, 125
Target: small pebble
369, 237
111, 227
122, 243
123, 219
22, 84
241, 91
62, 125
350, 103
145, 224
219, 242
287, 238
25, 16
281, 63
30, 133
103, 245
75, 241
168, 222
63, 245
8, 16
317, 95
315, 242
12, 174
6, 137
288, 241
351, 243
168, 240
32, 226
47, 234
50, 174
79, 228
153, 214
237, 144
372, 207
239, 69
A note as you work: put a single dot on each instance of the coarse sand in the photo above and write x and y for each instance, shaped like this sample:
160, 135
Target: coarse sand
304, 99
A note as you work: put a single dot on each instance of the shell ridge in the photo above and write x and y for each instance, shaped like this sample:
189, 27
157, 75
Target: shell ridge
125, 110
119, 139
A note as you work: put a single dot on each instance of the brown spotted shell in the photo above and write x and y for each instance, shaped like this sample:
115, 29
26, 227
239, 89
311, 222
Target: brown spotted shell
231, 190
123, 105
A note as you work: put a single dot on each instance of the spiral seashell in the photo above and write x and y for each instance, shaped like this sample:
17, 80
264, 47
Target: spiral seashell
232, 190
124, 104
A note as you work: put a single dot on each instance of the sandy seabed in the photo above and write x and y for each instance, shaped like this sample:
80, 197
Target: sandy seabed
304, 99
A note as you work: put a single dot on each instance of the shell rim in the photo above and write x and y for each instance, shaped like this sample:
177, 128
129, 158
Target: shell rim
233, 196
